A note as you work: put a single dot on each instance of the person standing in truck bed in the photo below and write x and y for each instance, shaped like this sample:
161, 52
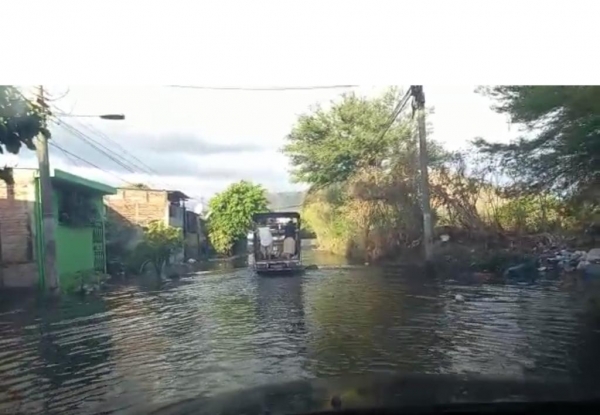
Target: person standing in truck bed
289, 241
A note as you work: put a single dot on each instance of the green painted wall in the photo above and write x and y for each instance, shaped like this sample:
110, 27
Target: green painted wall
74, 247
74, 250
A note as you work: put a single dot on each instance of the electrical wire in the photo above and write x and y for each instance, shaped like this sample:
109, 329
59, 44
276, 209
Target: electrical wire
137, 162
273, 88
116, 158
53, 144
132, 161
141, 166
67, 155
395, 113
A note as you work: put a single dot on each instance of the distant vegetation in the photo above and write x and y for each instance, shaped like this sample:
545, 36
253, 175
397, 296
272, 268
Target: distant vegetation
365, 198
231, 214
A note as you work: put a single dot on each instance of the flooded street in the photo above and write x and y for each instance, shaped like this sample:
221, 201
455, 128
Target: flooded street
223, 330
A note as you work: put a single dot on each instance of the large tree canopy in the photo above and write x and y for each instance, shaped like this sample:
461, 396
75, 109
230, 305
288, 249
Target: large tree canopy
560, 149
231, 213
327, 146
20, 121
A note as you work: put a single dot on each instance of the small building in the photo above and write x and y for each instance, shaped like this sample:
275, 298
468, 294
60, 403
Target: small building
136, 207
80, 219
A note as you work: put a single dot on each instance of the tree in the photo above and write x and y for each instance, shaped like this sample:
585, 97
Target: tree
327, 146
231, 213
20, 122
561, 148
160, 241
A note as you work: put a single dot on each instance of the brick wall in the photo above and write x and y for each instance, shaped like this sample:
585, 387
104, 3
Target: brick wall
138, 206
17, 230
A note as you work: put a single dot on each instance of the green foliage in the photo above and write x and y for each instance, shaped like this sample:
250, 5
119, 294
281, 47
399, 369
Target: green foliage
231, 213
20, 122
561, 148
160, 241
327, 146
362, 206
531, 214
365, 197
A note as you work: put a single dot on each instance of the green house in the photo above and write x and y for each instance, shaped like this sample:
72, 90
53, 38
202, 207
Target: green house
80, 218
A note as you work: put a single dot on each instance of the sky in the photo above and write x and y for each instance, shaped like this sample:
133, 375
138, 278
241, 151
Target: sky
200, 141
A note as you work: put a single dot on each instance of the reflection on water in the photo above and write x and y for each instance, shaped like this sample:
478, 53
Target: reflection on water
227, 329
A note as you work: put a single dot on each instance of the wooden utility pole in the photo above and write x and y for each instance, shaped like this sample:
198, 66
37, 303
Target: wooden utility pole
419, 100
48, 221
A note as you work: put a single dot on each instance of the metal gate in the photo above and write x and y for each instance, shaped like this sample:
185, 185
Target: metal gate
99, 246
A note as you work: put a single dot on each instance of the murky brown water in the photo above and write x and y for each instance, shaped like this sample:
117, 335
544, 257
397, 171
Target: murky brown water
225, 330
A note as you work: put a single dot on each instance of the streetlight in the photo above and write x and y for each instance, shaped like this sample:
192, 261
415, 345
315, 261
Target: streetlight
117, 117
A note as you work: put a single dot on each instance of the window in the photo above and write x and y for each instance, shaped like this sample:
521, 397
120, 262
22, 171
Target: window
76, 208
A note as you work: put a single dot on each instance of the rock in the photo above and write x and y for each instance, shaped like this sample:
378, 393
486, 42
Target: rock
521, 271
593, 255
459, 298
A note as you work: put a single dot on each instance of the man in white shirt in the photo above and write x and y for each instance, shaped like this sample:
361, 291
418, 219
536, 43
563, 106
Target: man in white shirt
266, 241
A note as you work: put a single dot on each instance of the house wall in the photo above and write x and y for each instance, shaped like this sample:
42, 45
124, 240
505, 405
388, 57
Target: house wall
74, 245
139, 206
18, 266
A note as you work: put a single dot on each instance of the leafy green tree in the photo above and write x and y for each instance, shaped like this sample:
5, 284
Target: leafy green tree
328, 145
20, 122
231, 213
560, 150
160, 241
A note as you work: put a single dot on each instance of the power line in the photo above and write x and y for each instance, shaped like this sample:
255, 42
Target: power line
53, 144
135, 163
396, 112
115, 157
68, 156
141, 166
96, 145
273, 88
138, 162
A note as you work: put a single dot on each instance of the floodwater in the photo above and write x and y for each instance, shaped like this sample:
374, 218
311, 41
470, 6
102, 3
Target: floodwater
226, 330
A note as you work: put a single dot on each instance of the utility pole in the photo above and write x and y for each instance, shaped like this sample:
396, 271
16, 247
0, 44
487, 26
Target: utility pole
48, 221
419, 102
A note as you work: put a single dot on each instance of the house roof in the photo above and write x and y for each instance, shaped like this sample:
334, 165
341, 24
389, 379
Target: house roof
61, 176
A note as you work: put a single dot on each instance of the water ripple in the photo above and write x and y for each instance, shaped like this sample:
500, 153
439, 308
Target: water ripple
224, 330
